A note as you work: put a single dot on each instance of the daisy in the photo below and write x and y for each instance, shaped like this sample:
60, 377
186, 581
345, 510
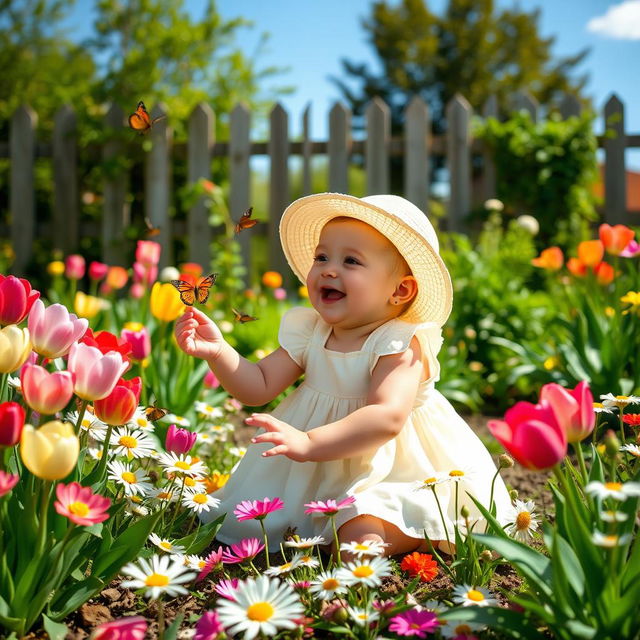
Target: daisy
305, 543
131, 443
456, 475
227, 588
92, 425
609, 400
309, 561
598, 407
139, 420
467, 595
238, 451
246, 549
197, 563
262, 606
210, 563
179, 420
614, 516
432, 481
257, 509
460, 629
207, 411
199, 502
366, 571
219, 432
616, 490
14, 382
166, 545
327, 584
133, 482
158, 575
633, 449
609, 541
195, 485
362, 616
95, 453
287, 567
136, 508
330, 507
522, 520
204, 439
163, 494
366, 548
183, 464
414, 623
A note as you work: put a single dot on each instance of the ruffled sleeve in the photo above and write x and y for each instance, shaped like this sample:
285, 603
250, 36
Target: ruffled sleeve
395, 337
296, 328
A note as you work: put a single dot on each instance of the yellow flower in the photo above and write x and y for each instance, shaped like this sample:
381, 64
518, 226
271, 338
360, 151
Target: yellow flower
272, 279
215, 481
87, 306
632, 298
55, 268
303, 292
165, 302
50, 452
15, 347
551, 363
609, 312
133, 326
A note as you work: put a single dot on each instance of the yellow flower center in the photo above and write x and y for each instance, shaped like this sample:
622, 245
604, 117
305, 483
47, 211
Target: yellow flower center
129, 477
613, 486
363, 571
363, 616
330, 584
157, 580
181, 464
208, 408
128, 441
362, 547
622, 397
475, 595
285, 567
456, 473
136, 499
141, 422
200, 498
463, 630
164, 495
429, 480
523, 520
260, 611
202, 564
166, 545
179, 418
305, 559
611, 540
598, 405
190, 482
79, 508
86, 422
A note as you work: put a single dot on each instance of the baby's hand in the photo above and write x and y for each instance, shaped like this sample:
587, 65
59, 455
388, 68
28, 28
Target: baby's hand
289, 441
197, 335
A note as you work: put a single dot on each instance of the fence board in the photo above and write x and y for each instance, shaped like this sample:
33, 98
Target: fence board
490, 110
278, 185
615, 179
524, 101
416, 142
570, 106
459, 161
378, 117
306, 151
339, 148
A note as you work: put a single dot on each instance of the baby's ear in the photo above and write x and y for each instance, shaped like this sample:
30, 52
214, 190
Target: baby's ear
406, 290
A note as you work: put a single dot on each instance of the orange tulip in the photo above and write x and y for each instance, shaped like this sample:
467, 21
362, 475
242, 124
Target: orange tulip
577, 267
117, 277
272, 279
551, 259
615, 238
604, 273
591, 252
192, 268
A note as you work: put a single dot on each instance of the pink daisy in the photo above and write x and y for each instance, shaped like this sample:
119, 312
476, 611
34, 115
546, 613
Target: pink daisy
7, 482
257, 509
208, 627
80, 504
127, 628
330, 507
227, 588
248, 549
414, 623
210, 562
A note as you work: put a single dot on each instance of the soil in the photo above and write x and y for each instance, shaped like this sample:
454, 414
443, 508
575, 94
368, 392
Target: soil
115, 602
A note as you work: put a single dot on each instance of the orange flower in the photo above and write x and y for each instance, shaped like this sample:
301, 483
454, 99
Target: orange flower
591, 252
615, 238
117, 277
420, 564
632, 419
551, 258
577, 267
192, 268
272, 279
604, 273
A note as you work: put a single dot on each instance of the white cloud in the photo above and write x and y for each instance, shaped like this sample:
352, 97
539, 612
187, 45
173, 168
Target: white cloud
621, 21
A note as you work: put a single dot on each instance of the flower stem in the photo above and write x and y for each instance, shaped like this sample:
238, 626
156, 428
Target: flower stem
266, 542
444, 523
621, 413
83, 408
179, 502
583, 467
335, 537
44, 509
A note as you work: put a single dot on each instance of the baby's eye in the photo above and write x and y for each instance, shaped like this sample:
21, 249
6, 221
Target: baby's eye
351, 260
320, 258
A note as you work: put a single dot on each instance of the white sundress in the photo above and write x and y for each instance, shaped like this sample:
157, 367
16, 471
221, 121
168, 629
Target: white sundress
435, 440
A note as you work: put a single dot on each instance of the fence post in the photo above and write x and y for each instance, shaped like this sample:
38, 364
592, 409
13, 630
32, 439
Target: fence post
378, 126
416, 153
115, 211
458, 114
199, 146
489, 189
22, 143
278, 186
569, 106
158, 183
66, 216
615, 178
306, 151
339, 147
524, 101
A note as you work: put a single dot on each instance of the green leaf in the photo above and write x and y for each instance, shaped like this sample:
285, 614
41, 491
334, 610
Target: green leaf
74, 596
200, 539
56, 630
171, 632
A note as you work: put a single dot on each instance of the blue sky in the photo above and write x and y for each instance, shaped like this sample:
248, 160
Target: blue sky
309, 37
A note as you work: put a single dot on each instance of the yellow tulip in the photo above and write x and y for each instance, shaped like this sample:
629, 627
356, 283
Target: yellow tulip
55, 268
15, 347
50, 452
165, 302
87, 306
133, 326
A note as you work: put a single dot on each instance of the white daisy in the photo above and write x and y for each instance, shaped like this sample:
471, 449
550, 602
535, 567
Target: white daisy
609, 541
140, 421
135, 507
432, 481
613, 516
90, 423
95, 452
199, 502
466, 595
305, 543
207, 411
633, 449
618, 490
172, 418
166, 545
163, 494
262, 606
183, 464
620, 402
456, 629
238, 451
326, 584
366, 571
309, 561
362, 616
14, 382
197, 563
158, 575
598, 407
133, 482
131, 443
287, 567
204, 439
456, 475
366, 548
195, 485
522, 520
218, 432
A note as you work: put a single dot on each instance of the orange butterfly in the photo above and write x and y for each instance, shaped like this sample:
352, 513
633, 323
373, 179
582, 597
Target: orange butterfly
141, 120
190, 293
155, 413
245, 221
151, 230
242, 317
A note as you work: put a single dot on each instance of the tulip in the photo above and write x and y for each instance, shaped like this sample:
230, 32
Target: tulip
55, 268
140, 342
179, 440
117, 277
16, 299
573, 409
53, 330
74, 267
45, 392
136, 291
272, 279
11, 424
615, 238
120, 405
531, 434
165, 302
96, 374
51, 451
148, 252
591, 252
127, 628
210, 380
631, 250
604, 273
551, 259
15, 348
106, 341
192, 268
7, 482
87, 306
577, 267
98, 270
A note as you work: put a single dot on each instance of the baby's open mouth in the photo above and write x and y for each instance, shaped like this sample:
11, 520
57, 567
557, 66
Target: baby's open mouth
328, 294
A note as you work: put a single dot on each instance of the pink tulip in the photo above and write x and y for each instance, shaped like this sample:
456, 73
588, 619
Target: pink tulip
98, 270
45, 392
148, 253
136, 290
144, 274
531, 434
140, 342
631, 250
127, 628
179, 440
53, 330
573, 408
210, 380
80, 504
7, 482
74, 267
96, 374
16, 299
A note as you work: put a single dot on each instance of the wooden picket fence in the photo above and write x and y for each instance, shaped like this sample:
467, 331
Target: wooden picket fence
416, 146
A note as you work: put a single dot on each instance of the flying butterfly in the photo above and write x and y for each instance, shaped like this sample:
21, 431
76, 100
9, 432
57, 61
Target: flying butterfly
155, 413
242, 317
245, 222
151, 231
141, 120
190, 293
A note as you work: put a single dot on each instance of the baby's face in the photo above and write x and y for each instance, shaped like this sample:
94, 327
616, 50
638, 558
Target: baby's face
354, 275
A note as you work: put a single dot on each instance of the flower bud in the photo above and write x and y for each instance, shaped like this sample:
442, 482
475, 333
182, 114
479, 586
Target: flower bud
611, 444
513, 495
486, 556
505, 461
11, 423
464, 511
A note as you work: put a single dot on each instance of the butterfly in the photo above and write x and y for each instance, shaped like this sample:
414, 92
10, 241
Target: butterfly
141, 120
242, 317
151, 230
245, 221
155, 413
190, 293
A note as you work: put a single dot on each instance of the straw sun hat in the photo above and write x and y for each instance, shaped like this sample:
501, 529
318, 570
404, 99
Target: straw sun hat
400, 221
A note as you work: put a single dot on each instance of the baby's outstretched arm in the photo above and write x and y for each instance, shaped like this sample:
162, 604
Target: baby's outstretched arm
392, 393
252, 383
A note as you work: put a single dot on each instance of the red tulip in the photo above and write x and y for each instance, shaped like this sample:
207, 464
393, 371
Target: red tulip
573, 408
11, 422
105, 342
120, 405
604, 273
74, 267
16, 299
98, 270
531, 434
615, 238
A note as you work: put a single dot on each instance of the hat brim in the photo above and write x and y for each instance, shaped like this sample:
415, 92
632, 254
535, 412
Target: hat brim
302, 223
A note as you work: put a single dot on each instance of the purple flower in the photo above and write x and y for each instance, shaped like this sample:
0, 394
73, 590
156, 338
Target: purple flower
414, 623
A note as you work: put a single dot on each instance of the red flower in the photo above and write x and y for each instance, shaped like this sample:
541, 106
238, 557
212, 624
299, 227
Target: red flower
632, 419
120, 405
106, 342
16, 299
420, 564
